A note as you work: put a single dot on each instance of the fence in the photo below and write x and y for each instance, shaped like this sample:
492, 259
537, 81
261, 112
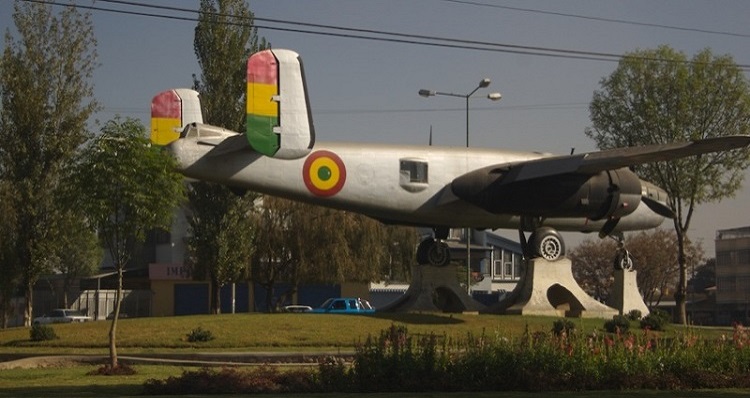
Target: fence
101, 304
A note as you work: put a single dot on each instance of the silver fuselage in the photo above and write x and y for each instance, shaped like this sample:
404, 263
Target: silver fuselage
375, 183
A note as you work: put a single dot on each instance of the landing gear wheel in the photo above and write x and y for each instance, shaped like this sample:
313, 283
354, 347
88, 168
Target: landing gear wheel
623, 260
432, 252
547, 243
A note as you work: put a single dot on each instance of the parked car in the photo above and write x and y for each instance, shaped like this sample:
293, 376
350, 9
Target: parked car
62, 316
297, 308
346, 305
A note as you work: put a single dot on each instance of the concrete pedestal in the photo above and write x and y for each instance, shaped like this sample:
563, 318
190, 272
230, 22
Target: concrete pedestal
434, 289
548, 288
625, 296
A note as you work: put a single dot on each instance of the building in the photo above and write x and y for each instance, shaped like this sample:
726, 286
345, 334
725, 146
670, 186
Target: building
496, 267
732, 275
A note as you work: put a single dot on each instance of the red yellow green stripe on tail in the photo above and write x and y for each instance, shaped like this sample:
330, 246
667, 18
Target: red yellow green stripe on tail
262, 102
171, 110
279, 120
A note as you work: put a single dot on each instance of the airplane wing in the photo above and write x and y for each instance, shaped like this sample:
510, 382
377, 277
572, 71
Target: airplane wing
594, 162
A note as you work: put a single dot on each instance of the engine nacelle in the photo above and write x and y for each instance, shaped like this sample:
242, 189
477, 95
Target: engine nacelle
608, 194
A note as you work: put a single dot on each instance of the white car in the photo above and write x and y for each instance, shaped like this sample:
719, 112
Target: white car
62, 316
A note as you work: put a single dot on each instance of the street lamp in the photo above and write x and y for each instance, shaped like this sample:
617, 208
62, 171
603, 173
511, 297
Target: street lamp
493, 97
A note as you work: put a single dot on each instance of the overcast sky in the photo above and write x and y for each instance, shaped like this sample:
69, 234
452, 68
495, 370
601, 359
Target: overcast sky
365, 90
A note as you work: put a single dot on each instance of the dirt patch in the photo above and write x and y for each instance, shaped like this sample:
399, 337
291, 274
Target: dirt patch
52, 361
193, 359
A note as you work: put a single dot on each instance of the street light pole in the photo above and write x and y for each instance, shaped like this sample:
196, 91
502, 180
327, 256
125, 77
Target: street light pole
493, 97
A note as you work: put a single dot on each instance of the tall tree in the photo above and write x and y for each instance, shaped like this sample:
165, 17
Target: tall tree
224, 39
9, 268
130, 188
659, 96
220, 246
46, 101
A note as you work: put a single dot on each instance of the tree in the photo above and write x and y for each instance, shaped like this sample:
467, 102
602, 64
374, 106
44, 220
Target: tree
703, 277
658, 96
224, 39
401, 243
130, 188
221, 235
46, 99
593, 266
220, 244
78, 251
9, 268
655, 255
301, 243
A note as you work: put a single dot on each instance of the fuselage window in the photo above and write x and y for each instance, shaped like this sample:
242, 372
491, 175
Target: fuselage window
413, 171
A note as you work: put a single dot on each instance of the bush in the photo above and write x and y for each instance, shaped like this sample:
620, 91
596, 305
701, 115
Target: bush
618, 323
635, 315
538, 361
121, 369
563, 326
263, 380
199, 335
656, 320
42, 333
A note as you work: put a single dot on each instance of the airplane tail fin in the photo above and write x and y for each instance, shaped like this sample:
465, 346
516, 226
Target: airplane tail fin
171, 111
279, 121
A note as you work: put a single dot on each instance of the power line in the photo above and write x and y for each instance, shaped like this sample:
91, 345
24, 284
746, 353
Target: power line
601, 19
365, 34
323, 111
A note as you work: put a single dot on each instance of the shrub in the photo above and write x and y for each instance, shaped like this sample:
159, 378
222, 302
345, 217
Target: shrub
618, 323
121, 369
563, 326
538, 361
263, 380
199, 335
656, 320
635, 315
42, 333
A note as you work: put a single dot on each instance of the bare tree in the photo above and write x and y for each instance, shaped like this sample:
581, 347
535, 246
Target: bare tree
655, 255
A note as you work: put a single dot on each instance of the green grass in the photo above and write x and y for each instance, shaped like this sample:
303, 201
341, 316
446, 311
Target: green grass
259, 332
276, 332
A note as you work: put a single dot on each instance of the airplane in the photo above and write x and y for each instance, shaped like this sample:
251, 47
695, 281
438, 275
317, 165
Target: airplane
428, 186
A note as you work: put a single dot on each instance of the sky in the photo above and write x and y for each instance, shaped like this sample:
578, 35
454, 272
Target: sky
365, 90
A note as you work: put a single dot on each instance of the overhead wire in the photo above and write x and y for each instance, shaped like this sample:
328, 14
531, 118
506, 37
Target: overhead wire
601, 19
385, 36
363, 34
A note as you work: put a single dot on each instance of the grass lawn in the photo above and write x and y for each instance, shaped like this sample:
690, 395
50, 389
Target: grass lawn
279, 332
263, 332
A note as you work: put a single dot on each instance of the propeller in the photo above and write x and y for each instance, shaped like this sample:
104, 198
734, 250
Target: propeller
657, 207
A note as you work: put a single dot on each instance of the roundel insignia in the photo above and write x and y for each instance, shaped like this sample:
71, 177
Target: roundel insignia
324, 173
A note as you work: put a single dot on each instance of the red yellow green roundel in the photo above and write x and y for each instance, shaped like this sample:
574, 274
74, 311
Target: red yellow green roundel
324, 173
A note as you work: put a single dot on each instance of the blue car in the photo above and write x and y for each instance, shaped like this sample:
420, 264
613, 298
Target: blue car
348, 305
